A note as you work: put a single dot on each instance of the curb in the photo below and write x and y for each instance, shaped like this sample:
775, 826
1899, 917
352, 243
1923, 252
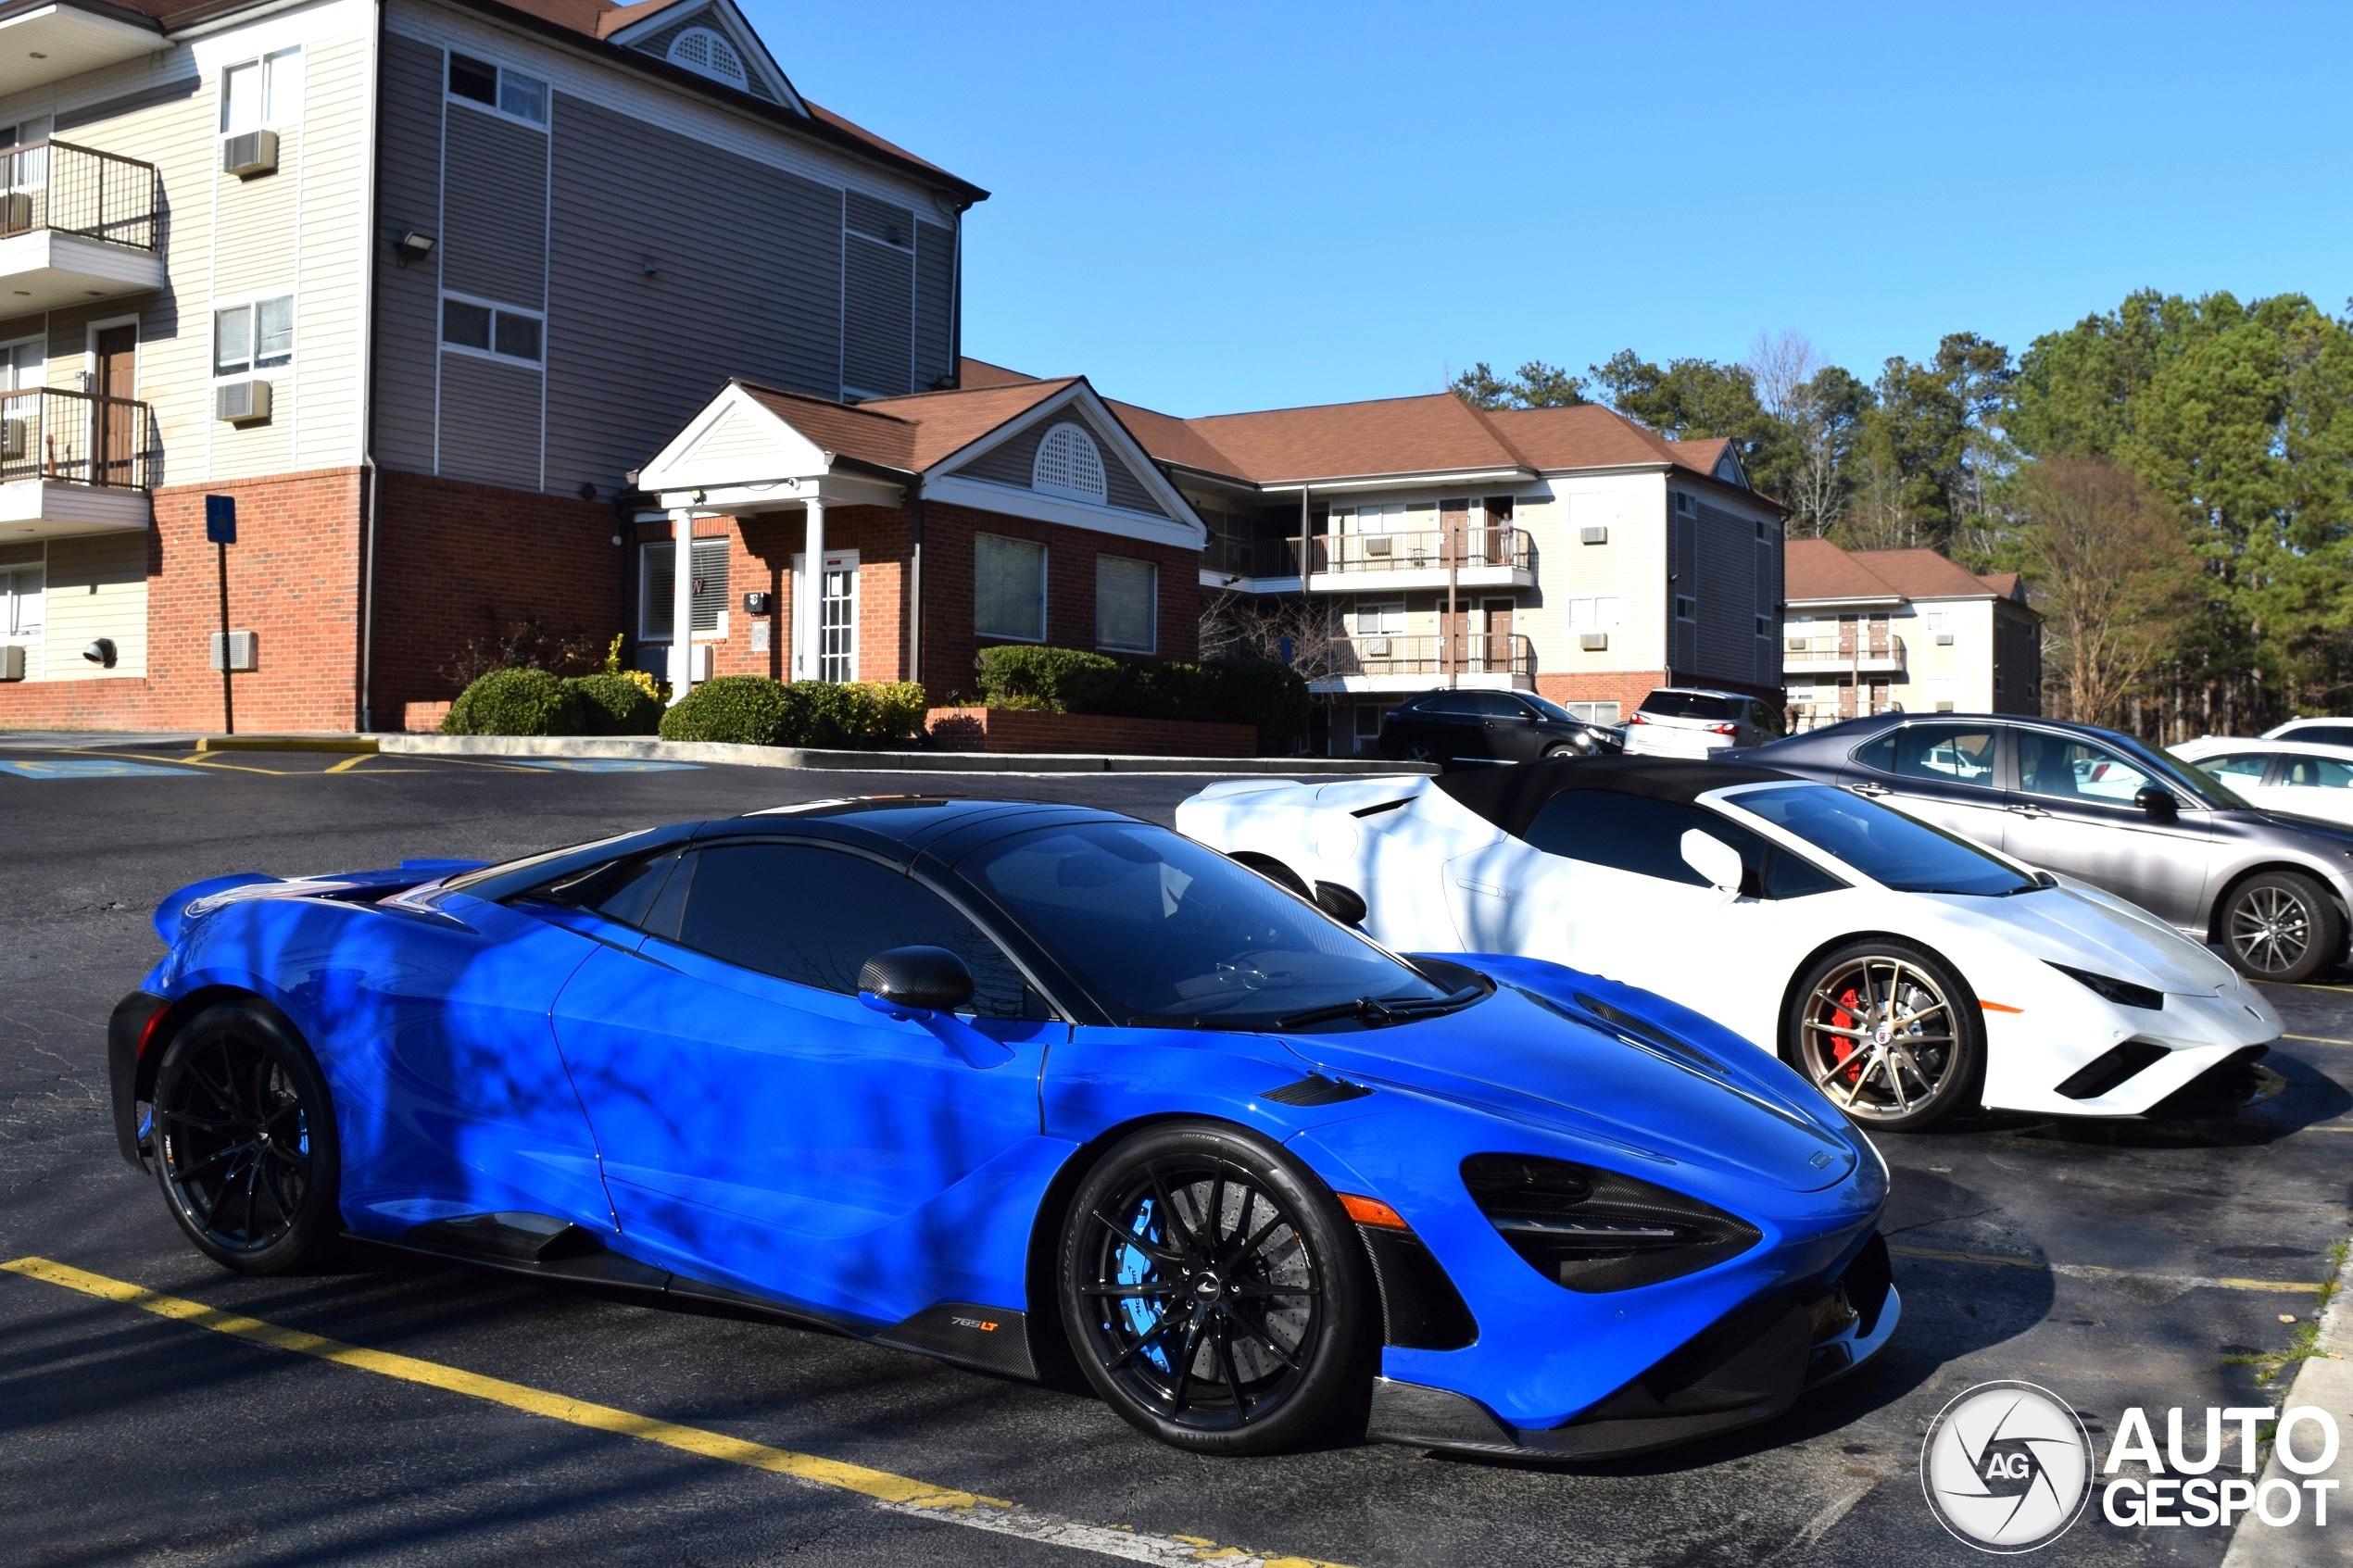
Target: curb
362, 743
2325, 1381
724, 754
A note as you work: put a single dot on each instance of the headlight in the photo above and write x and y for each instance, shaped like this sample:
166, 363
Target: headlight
1595, 1230
2123, 993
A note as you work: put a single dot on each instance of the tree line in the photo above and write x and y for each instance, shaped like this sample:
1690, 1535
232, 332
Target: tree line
2174, 479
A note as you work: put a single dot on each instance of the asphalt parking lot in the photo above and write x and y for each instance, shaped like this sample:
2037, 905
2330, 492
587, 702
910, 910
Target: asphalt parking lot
2116, 1264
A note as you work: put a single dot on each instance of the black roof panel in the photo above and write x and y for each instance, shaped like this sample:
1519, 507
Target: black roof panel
1510, 797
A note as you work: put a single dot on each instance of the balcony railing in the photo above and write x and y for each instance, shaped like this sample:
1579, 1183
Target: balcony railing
1252, 558
77, 190
50, 432
1834, 652
1474, 653
1472, 547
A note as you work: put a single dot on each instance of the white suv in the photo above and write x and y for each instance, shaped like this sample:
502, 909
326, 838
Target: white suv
2323, 732
1694, 722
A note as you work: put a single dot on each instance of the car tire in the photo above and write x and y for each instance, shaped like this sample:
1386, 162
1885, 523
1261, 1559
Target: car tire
1565, 751
1252, 1325
245, 1139
2282, 926
1862, 1027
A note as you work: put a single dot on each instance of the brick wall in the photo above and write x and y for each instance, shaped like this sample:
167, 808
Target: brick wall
293, 580
457, 562
1625, 687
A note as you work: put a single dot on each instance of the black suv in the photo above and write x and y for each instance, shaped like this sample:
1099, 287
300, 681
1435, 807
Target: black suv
1448, 727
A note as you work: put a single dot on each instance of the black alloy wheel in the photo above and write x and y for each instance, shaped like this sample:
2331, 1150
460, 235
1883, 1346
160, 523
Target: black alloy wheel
2282, 926
1889, 1033
245, 1139
1419, 752
1215, 1294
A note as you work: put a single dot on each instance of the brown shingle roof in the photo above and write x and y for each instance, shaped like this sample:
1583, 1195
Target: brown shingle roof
972, 373
1924, 574
1172, 440
905, 434
1816, 569
1431, 434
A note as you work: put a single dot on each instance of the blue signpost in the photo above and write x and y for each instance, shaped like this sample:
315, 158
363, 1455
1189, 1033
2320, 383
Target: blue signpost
221, 527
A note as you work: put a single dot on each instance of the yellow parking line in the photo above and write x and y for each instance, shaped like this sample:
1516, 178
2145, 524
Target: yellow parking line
899, 1493
2094, 1270
349, 762
2317, 1039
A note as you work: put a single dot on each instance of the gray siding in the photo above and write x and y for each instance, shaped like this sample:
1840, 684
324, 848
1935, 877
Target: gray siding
489, 422
1682, 567
1768, 605
878, 319
494, 218
747, 283
408, 196
1012, 461
878, 219
1727, 595
934, 304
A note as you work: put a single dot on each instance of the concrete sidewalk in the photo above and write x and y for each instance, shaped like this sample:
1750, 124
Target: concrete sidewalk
720, 754
2324, 1382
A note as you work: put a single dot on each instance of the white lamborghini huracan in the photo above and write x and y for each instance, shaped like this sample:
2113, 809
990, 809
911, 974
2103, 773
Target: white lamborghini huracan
1907, 972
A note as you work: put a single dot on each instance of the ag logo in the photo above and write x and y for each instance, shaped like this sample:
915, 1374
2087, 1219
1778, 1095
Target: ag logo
2007, 1467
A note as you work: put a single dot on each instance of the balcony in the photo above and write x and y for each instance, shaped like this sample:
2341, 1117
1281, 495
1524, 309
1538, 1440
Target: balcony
1483, 557
1835, 654
1408, 664
76, 224
72, 463
45, 43
1227, 556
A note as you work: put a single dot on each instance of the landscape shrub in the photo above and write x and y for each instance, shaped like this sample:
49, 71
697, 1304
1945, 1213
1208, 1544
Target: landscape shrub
1271, 696
1062, 680
615, 705
755, 710
1256, 690
744, 710
514, 702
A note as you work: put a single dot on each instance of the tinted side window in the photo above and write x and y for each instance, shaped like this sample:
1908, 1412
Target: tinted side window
1632, 833
1951, 754
2063, 768
2317, 772
1457, 703
2248, 767
816, 916
1495, 705
2326, 734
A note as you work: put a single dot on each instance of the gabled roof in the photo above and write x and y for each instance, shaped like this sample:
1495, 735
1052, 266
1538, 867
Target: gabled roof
1816, 569
971, 372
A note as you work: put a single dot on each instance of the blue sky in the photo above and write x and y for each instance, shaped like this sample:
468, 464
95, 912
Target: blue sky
1220, 206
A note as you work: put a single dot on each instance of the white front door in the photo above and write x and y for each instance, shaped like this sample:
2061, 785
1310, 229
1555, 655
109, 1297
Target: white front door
835, 657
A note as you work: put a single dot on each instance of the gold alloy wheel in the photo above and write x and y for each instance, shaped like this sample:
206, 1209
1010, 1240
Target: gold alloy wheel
1878, 1037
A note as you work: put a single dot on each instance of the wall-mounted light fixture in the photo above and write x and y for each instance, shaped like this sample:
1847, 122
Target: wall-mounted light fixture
412, 246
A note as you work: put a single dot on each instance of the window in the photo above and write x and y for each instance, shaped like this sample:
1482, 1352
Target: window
263, 92
508, 92
2063, 768
1598, 614
1685, 505
2247, 766
2316, 772
1888, 847
256, 335
1594, 712
1951, 754
1664, 704
1634, 833
1126, 604
1009, 588
1764, 532
2325, 734
1686, 608
1068, 464
706, 53
500, 331
1764, 625
841, 910
20, 601
1379, 619
656, 582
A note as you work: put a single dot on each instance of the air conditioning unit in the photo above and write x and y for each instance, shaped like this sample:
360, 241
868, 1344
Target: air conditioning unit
12, 663
1945, 639
1373, 648
249, 153
1377, 543
1598, 533
241, 650
1593, 641
1795, 644
240, 402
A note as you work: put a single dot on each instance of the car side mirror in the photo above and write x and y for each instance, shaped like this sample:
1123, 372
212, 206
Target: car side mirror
1713, 858
913, 983
1342, 903
2162, 804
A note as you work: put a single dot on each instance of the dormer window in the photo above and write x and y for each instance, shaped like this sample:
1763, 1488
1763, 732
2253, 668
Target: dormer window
706, 53
1068, 464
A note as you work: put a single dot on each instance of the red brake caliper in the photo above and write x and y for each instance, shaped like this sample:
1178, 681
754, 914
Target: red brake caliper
1843, 1048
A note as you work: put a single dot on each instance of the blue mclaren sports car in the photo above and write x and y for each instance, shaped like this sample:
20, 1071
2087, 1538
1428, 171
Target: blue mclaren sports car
1037, 1089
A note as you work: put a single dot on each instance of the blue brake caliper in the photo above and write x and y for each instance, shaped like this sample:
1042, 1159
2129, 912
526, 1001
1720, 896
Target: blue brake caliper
1142, 1316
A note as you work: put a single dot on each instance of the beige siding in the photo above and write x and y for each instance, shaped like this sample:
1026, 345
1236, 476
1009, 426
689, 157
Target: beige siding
97, 588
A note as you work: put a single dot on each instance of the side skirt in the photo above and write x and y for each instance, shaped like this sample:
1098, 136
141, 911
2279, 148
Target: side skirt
994, 1339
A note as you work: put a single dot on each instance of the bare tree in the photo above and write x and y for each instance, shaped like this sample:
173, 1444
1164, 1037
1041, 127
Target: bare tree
1817, 407
1279, 630
1783, 366
2112, 572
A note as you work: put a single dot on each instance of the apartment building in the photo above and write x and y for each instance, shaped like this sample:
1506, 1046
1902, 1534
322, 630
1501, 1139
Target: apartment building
1416, 542
1881, 630
417, 283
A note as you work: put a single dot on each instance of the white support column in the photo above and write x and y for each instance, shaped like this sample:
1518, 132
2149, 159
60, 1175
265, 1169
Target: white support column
682, 606
809, 595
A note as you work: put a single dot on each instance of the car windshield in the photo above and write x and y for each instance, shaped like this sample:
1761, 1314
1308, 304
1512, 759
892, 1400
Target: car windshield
1550, 710
1166, 932
1890, 848
1690, 704
2182, 778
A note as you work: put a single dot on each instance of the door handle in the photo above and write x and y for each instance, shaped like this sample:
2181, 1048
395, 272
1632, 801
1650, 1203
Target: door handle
1871, 791
2027, 810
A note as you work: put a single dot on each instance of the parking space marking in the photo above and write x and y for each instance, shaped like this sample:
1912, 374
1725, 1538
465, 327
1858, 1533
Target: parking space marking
2317, 1039
91, 768
898, 1493
2095, 1271
604, 764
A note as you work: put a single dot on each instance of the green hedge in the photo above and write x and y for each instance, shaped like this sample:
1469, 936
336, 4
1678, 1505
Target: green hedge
514, 702
615, 705
755, 710
1271, 696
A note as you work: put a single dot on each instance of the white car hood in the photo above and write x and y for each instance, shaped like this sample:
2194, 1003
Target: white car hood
2085, 929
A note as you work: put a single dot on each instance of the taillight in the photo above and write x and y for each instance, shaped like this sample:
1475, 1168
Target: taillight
1723, 729
1594, 1230
1638, 718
